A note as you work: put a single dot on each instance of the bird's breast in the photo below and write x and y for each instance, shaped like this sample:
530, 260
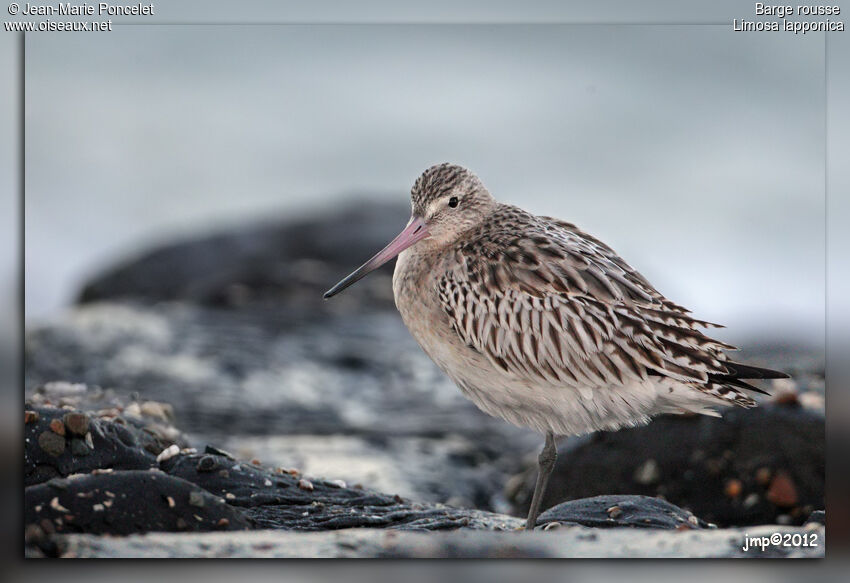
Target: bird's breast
415, 292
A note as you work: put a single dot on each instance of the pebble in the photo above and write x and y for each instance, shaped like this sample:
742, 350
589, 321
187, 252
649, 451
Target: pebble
223, 522
52, 443
161, 411
57, 427
267, 482
733, 488
76, 423
614, 512
216, 451
31, 417
168, 453
751, 500
337, 483
207, 463
170, 500
782, 491
196, 499
55, 505
230, 496
97, 507
305, 485
763, 476
79, 448
647, 473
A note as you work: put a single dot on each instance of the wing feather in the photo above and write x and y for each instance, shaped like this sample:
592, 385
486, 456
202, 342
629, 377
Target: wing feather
545, 301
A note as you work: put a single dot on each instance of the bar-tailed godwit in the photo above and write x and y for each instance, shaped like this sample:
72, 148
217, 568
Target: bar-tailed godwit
543, 325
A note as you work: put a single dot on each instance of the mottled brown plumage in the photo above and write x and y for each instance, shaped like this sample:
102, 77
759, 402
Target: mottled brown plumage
544, 325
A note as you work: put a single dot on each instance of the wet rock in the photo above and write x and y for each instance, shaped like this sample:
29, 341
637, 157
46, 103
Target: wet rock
750, 467
618, 511
107, 444
125, 502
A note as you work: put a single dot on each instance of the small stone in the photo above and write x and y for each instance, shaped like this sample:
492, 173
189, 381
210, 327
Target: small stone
170, 500
107, 503
230, 496
216, 451
52, 443
812, 400
55, 505
108, 493
785, 392
168, 453
751, 500
784, 519
97, 507
207, 464
614, 512
267, 482
305, 485
31, 417
256, 462
99, 471
161, 411
337, 483
76, 423
222, 522
782, 491
89, 441
196, 499
79, 448
133, 410
733, 488
647, 473
57, 427
763, 476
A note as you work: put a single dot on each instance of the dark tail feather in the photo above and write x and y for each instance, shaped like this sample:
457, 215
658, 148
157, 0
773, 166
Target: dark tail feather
745, 371
738, 371
742, 384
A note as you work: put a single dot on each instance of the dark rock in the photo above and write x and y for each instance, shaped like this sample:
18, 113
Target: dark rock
276, 500
625, 510
773, 454
250, 372
114, 446
127, 502
285, 262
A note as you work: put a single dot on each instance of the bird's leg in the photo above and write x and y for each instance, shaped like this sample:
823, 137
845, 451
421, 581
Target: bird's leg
546, 462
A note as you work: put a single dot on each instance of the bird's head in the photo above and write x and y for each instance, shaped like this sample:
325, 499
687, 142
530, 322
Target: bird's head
446, 201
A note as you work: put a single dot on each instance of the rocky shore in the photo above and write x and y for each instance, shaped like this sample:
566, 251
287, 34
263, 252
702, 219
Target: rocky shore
205, 387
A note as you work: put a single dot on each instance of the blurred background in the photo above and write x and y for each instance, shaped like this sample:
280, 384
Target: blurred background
191, 190
694, 151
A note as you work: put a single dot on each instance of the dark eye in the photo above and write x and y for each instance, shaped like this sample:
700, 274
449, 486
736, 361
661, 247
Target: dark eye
453, 202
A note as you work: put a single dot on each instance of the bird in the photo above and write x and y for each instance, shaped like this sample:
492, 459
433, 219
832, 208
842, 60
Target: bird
545, 326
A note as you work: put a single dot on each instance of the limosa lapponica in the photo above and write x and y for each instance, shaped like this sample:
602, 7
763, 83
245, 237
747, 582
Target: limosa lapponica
543, 325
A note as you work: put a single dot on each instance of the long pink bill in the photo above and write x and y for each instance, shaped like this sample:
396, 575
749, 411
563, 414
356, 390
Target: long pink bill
413, 232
